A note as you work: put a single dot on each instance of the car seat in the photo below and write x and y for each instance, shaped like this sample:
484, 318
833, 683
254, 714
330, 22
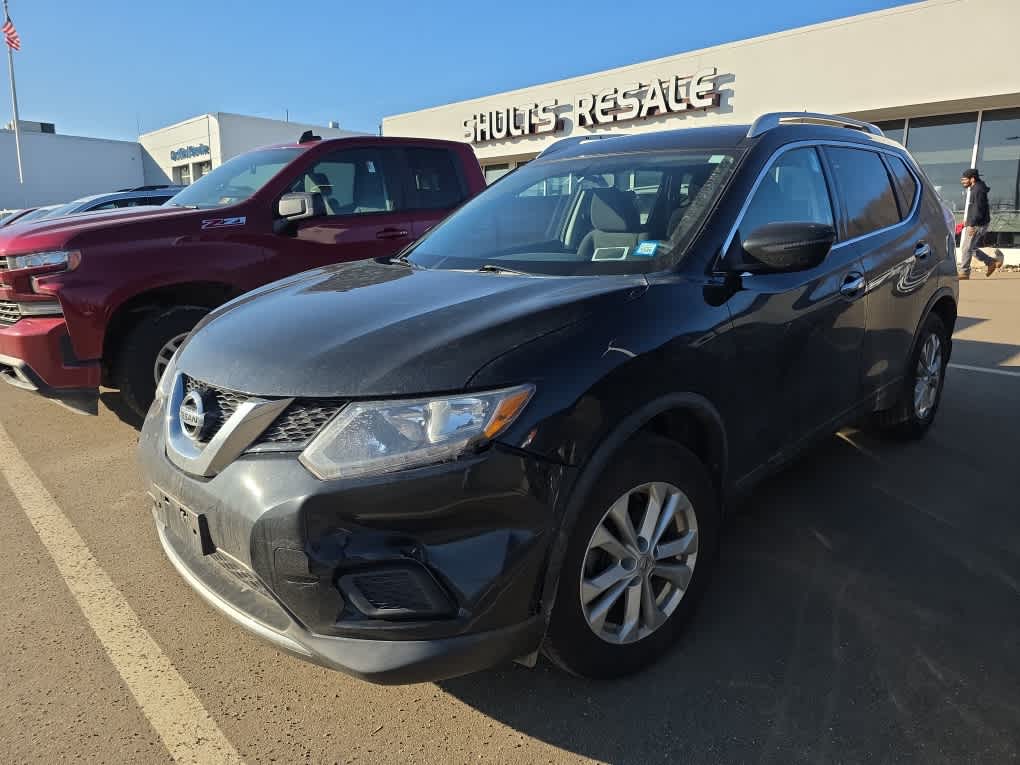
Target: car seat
615, 220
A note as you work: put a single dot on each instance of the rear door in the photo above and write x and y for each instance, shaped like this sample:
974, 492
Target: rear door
436, 185
799, 334
887, 228
364, 206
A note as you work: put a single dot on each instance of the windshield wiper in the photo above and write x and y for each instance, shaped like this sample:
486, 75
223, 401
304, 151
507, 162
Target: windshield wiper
492, 268
186, 207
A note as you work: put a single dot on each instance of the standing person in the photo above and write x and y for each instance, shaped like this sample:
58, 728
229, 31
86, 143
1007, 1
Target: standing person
978, 218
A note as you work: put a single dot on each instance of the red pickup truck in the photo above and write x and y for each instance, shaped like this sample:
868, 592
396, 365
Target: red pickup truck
106, 298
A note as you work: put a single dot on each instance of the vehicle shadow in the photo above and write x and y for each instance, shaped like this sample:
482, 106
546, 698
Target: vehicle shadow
866, 607
113, 401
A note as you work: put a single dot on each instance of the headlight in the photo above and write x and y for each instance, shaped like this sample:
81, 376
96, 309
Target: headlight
69, 259
373, 437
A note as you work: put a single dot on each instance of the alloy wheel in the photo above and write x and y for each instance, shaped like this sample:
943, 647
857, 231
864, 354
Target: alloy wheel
928, 377
639, 563
165, 354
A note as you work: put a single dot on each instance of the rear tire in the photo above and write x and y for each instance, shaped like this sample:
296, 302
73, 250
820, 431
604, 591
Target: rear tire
136, 363
923, 382
656, 592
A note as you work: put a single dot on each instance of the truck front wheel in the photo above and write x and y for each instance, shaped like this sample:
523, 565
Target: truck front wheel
146, 351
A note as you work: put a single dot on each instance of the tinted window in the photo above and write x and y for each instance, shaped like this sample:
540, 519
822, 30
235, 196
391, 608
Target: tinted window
867, 193
792, 191
435, 178
906, 183
352, 182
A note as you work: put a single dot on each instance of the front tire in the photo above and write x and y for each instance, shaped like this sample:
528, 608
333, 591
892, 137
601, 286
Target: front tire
637, 563
923, 383
146, 351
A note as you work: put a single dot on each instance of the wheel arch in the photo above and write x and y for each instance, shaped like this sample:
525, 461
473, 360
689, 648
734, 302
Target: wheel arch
204, 294
687, 418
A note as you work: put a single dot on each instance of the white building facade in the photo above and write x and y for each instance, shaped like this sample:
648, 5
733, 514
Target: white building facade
59, 168
184, 152
951, 95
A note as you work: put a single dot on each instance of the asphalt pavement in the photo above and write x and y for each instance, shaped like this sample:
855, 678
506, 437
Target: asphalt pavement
867, 609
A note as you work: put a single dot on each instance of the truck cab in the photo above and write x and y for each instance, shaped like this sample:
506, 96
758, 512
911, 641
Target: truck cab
105, 298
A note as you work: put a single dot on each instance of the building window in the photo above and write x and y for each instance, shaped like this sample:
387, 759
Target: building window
944, 147
892, 129
182, 175
999, 165
200, 168
495, 172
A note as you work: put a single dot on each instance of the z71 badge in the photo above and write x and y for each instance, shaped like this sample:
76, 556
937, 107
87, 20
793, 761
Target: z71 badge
224, 222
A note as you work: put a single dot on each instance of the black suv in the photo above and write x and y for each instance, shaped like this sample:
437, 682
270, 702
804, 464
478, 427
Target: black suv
523, 433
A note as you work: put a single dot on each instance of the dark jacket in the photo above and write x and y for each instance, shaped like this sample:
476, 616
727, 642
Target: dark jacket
977, 213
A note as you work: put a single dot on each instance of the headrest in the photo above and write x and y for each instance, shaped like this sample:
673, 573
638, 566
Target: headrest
614, 211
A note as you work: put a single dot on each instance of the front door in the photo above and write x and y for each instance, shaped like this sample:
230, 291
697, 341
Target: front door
800, 334
364, 210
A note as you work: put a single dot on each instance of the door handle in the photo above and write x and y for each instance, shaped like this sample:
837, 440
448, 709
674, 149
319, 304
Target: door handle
922, 250
853, 285
392, 233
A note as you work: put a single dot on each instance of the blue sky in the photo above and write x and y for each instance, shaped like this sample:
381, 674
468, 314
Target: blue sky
105, 68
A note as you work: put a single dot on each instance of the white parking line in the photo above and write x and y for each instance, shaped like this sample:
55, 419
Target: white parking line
987, 370
166, 700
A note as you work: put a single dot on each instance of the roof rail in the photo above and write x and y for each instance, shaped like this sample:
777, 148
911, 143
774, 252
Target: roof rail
574, 140
151, 188
773, 119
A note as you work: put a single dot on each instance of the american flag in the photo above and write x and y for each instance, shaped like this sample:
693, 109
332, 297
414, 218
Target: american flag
11, 35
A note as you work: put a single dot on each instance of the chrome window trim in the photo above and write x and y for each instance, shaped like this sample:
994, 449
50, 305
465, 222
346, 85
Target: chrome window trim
819, 144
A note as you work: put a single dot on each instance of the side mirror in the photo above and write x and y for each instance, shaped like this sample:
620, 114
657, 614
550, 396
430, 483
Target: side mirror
300, 205
782, 248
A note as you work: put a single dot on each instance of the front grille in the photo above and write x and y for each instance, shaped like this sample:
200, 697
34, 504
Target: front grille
298, 423
245, 577
9, 312
301, 420
226, 402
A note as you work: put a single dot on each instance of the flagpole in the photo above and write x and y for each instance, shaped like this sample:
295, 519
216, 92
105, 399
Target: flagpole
14, 102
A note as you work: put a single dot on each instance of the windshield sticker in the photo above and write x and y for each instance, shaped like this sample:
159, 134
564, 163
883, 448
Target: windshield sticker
371, 166
609, 253
240, 220
646, 249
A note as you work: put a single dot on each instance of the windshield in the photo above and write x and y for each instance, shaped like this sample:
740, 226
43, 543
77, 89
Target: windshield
235, 180
38, 213
623, 213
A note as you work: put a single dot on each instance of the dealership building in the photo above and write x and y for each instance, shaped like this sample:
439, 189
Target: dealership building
59, 168
942, 77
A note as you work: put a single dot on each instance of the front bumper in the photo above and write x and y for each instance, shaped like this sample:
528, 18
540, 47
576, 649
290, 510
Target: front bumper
283, 547
36, 355
379, 661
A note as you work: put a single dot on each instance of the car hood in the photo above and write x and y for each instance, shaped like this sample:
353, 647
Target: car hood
369, 329
57, 233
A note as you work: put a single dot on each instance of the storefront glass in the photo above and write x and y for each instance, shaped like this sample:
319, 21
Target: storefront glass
182, 175
944, 147
495, 172
893, 129
999, 165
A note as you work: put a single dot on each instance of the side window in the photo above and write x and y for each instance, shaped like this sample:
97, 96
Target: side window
351, 182
905, 181
792, 191
434, 177
867, 192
